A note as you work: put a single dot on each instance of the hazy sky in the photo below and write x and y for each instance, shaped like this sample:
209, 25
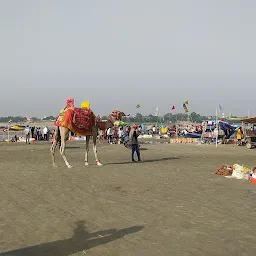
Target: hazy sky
120, 53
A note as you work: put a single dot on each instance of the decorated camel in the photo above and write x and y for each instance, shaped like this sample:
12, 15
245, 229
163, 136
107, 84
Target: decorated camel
83, 122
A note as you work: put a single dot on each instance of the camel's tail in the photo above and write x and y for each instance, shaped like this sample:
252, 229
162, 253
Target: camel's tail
57, 136
58, 132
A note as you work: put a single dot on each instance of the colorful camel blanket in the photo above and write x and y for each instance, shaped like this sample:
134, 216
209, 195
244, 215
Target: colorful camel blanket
77, 120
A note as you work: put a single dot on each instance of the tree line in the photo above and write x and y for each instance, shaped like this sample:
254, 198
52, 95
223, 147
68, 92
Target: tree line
139, 118
167, 118
22, 119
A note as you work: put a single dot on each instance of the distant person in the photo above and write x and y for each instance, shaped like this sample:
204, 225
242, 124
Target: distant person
52, 135
101, 135
120, 132
128, 129
27, 133
45, 132
115, 135
133, 136
109, 135
154, 130
33, 131
37, 133
239, 136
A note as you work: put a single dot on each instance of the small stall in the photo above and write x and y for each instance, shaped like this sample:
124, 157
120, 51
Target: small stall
210, 131
249, 132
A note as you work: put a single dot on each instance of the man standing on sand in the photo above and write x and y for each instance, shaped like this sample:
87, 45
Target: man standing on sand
239, 136
133, 135
109, 135
32, 131
27, 133
45, 131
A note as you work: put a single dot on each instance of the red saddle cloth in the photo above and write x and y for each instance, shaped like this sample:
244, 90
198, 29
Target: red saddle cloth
78, 120
82, 118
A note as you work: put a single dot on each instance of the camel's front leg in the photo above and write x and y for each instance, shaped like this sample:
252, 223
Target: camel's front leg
86, 150
53, 147
56, 139
95, 151
62, 151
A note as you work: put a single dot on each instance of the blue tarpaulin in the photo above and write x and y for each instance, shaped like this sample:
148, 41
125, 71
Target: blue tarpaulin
225, 126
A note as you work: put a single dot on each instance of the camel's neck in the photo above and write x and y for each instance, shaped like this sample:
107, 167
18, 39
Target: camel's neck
110, 122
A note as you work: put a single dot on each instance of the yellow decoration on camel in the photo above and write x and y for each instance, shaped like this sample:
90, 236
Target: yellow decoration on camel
86, 104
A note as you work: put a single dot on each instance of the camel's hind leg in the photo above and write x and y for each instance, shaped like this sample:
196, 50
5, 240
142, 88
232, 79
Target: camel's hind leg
56, 139
94, 138
63, 135
86, 150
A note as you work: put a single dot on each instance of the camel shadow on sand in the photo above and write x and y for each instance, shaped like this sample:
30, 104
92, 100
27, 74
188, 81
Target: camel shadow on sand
81, 240
146, 161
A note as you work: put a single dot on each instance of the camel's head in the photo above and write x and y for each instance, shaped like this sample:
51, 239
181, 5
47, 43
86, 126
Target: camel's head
117, 115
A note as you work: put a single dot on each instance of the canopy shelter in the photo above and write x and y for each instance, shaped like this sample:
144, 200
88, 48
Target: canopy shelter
249, 131
226, 126
249, 120
225, 130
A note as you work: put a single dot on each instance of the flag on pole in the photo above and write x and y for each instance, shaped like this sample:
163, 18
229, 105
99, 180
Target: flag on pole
138, 106
185, 107
186, 102
220, 107
173, 107
157, 111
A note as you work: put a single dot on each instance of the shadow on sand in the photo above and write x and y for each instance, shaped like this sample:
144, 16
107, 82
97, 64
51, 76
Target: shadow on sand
81, 240
146, 161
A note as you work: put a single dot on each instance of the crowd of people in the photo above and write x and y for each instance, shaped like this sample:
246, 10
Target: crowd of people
37, 133
115, 134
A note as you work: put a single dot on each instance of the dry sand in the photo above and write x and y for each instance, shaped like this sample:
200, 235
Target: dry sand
169, 204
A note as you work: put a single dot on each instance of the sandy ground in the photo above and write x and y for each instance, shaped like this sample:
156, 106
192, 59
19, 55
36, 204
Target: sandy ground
169, 204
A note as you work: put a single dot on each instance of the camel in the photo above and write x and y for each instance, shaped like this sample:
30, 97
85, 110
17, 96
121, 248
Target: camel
62, 134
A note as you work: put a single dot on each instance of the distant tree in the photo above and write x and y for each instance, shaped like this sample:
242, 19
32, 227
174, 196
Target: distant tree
168, 117
152, 119
14, 119
139, 118
130, 119
35, 119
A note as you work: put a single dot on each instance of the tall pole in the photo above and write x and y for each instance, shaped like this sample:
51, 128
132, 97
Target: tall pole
157, 116
160, 119
189, 115
8, 126
176, 123
217, 127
